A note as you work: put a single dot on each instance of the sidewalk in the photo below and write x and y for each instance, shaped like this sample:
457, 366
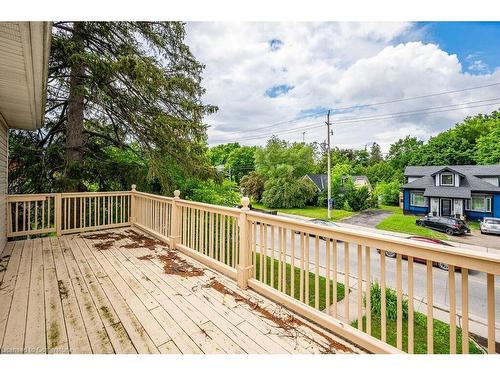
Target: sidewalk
477, 325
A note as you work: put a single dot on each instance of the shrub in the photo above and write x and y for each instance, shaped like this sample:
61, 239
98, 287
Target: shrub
389, 192
286, 193
359, 199
209, 191
391, 299
252, 185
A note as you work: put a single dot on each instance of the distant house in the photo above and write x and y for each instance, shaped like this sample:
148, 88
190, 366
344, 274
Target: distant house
321, 181
471, 191
360, 181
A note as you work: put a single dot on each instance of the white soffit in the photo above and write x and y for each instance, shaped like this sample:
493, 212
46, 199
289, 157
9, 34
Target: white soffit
24, 56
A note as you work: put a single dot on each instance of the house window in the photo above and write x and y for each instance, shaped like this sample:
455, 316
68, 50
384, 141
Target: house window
481, 203
417, 199
447, 179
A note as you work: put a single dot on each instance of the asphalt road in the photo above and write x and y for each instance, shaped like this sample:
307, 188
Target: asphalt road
477, 280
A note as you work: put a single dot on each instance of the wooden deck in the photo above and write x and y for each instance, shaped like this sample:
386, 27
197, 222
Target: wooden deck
119, 291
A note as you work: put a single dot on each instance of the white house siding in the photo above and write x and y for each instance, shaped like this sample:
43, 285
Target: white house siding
3, 183
435, 205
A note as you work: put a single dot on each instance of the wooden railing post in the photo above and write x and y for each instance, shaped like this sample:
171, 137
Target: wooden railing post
175, 221
58, 213
133, 205
245, 268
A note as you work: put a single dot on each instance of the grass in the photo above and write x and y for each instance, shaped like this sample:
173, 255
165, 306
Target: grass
398, 222
296, 278
441, 334
474, 225
311, 211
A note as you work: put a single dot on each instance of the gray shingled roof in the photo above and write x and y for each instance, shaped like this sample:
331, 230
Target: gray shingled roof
320, 180
468, 184
474, 170
447, 192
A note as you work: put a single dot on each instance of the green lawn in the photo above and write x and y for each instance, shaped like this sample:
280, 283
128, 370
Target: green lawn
310, 211
441, 334
398, 222
474, 225
312, 294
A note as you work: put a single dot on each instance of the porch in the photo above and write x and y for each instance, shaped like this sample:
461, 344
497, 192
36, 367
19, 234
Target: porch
230, 280
122, 291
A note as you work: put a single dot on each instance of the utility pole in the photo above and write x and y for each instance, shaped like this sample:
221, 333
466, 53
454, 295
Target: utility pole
329, 166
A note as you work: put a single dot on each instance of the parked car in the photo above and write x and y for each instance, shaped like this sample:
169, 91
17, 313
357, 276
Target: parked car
449, 225
326, 223
490, 225
443, 266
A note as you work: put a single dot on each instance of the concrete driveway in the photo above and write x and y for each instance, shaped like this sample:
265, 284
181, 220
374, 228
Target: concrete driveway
489, 241
367, 218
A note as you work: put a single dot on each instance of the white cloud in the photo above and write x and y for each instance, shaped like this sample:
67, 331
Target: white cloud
329, 65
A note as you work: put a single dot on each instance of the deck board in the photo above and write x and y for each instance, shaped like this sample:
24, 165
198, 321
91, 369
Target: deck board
70, 295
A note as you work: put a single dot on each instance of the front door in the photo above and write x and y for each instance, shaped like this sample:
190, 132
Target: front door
445, 207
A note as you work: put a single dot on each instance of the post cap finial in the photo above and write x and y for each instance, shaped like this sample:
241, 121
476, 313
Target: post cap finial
177, 193
245, 202
133, 187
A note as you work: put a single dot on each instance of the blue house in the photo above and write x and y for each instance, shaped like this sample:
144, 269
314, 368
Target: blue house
471, 191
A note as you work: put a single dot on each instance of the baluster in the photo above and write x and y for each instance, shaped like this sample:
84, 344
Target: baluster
254, 248
280, 246
346, 281
283, 272
28, 226
233, 241
302, 255
261, 253
453, 310
410, 305
399, 315
383, 326
430, 305
335, 269
74, 212
264, 260
327, 274
490, 286
307, 271
272, 255
316, 272
36, 215
360, 287
292, 263
368, 290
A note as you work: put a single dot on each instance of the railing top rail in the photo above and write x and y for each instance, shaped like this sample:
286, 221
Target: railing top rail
94, 193
472, 259
153, 196
28, 197
212, 207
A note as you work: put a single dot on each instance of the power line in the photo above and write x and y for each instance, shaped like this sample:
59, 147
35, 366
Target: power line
358, 106
348, 120
418, 97
374, 118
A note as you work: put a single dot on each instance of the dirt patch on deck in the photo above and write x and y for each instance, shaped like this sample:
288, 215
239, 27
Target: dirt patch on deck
135, 240
175, 265
288, 322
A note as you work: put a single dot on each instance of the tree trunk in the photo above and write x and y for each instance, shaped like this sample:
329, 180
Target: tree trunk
74, 128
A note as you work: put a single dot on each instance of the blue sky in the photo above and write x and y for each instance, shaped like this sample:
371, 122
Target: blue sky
281, 78
471, 41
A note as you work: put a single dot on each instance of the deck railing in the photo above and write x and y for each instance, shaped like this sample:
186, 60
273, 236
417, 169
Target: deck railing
326, 274
64, 213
